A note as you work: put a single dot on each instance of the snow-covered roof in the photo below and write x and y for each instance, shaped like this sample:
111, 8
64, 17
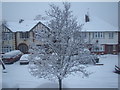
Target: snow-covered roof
24, 26
97, 24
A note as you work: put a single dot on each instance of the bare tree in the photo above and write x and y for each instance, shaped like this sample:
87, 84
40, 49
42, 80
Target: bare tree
62, 50
40, 17
4, 22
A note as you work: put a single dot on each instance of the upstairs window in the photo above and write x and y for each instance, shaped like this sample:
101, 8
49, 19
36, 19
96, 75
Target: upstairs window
24, 34
98, 34
84, 34
7, 36
111, 35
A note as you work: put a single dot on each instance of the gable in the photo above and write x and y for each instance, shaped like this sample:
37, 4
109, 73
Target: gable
40, 26
5, 29
24, 26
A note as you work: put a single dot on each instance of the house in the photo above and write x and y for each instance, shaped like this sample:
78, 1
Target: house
119, 41
101, 37
19, 35
8, 43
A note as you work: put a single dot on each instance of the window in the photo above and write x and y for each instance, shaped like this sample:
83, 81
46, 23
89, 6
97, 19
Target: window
6, 49
93, 35
99, 48
111, 34
98, 35
24, 34
7, 36
114, 47
84, 34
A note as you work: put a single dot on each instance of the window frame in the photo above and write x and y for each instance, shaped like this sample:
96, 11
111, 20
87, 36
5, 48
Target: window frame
6, 48
24, 35
111, 35
7, 36
98, 35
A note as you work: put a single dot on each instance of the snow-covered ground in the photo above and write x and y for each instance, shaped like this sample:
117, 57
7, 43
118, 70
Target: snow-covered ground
102, 76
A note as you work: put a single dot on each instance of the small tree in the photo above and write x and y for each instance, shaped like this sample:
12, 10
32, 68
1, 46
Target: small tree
62, 50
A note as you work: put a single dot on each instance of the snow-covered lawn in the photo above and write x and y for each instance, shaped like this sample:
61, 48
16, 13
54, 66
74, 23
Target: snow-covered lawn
102, 76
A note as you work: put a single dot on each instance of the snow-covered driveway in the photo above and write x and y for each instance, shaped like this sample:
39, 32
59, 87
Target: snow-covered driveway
17, 76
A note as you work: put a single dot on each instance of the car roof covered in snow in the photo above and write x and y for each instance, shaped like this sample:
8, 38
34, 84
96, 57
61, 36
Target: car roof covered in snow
25, 25
12, 54
24, 57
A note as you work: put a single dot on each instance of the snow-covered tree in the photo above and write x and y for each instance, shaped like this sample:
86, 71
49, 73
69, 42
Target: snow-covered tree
62, 50
0, 37
4, 22
40, 17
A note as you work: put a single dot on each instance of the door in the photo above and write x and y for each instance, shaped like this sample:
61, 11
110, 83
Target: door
109, 49
23, 48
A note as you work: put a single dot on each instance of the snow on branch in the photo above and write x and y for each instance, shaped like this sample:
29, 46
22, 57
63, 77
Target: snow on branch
63, 50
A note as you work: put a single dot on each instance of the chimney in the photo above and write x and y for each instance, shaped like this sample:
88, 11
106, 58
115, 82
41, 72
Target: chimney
21, 20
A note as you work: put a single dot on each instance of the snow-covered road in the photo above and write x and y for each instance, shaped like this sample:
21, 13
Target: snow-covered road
18, 76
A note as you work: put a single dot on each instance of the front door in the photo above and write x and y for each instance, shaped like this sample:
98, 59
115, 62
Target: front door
109, 49
23, 48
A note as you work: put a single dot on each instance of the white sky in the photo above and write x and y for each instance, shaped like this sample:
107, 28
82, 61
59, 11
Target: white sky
13, 11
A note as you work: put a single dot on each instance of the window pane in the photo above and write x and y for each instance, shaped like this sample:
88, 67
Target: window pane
98, 34
111, 35
93, 35
114, 47
24, 34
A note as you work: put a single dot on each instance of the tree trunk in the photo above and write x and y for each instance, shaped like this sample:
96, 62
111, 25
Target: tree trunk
60, 83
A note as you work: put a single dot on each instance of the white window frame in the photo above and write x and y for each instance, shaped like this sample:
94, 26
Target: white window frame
114, 47
7, 36
84, 34
111, 35
98, 35
101, 48
24, 35
6, 49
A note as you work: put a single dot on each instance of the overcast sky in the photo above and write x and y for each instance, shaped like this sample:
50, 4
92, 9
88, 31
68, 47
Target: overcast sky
13, 11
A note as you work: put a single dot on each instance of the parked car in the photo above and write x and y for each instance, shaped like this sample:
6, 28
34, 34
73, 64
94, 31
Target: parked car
24, 59
12, 56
